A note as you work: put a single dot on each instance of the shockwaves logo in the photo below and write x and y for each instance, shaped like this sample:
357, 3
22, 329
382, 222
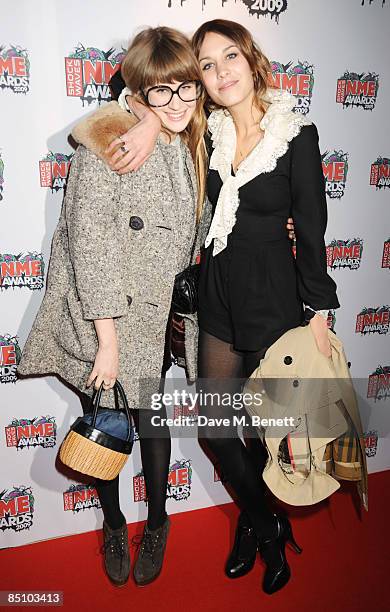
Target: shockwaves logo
371, 442
380, 173
30, 433
16, 508
344, 254
178, 486
80, 497
53, 170
263, 8
335, 169
297, 79
1, 178
14, 69
373, 320
22, 271
371, 1
10, 355
386, 254
379, 383
358, 90
88, 71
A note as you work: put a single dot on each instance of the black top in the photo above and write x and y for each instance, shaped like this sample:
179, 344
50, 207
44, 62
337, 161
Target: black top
253, 290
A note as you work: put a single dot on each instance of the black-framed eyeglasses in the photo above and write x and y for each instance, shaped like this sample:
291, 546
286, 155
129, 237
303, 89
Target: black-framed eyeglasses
161, 95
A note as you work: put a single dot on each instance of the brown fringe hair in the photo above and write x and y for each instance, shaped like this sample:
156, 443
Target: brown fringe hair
162, 55
243, 39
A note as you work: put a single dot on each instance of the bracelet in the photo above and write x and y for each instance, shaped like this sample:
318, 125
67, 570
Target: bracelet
310, 313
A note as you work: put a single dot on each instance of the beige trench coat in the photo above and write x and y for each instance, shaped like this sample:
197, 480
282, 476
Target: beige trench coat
115, 252
296, 380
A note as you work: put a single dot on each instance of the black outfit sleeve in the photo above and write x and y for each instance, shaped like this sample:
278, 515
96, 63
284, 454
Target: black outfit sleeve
309, 212
116, 85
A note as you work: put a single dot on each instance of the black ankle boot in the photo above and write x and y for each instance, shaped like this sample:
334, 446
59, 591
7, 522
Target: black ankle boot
272, 551
243, 555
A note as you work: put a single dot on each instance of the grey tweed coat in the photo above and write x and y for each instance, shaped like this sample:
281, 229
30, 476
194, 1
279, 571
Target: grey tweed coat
118, 244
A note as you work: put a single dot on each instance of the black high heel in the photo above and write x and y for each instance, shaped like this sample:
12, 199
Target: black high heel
243, 555
272, 551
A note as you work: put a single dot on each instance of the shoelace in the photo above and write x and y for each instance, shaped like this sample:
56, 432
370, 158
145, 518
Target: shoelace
116, 544
148, 543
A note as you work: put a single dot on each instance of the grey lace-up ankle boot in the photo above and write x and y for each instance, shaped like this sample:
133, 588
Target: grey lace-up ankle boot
116, 554
151, 554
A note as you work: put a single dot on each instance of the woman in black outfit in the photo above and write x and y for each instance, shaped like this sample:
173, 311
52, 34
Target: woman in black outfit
265, 165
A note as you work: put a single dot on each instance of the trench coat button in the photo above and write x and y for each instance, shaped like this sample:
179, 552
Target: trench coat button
288, 360
295, 383
136, 223
129, 299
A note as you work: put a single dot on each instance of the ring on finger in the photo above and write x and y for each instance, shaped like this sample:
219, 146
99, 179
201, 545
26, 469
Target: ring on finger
124, 149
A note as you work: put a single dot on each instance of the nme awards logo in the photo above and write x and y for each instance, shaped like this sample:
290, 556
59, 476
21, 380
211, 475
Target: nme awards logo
371, 1
10, 355
371, 442
88, 72
373, 320
344, 254
335, 169
386, 254
53, 170
29, 433
22, 271
178, 486
16, 508
80, 497
14, 69
358, 90
297, 79
1, 178
380, 173
379, 383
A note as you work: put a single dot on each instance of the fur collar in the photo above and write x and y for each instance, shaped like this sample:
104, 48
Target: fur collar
97, 131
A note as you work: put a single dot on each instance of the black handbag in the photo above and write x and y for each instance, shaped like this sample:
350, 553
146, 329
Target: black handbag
100, 442
185, 289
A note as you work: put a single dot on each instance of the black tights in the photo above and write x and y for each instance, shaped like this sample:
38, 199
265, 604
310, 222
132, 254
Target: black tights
155, 455
241, 464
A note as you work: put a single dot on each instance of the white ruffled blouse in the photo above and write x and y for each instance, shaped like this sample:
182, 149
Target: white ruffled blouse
280, 126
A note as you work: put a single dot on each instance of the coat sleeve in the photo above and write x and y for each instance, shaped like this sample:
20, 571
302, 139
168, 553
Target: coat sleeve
91, 209
309, 212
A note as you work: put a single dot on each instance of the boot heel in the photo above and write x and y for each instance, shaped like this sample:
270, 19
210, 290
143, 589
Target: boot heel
291, 541
294, 545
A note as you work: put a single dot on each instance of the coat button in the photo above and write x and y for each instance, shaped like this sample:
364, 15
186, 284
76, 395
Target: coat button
288, 360
296, 383
136, 223
129, 299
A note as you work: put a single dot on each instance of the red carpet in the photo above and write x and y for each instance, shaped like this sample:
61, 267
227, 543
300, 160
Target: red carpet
345, 564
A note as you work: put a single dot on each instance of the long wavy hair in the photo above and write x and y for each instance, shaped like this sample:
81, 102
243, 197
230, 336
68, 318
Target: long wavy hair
163, 55
243, 39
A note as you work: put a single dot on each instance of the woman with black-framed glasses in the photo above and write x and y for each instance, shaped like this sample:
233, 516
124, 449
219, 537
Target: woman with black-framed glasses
118, 246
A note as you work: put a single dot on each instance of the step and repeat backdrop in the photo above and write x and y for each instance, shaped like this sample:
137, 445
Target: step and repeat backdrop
56, 59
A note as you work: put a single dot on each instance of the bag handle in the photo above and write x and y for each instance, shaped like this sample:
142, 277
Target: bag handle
96, 404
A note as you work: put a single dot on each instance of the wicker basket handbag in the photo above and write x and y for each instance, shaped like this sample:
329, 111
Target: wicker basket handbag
100, 442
